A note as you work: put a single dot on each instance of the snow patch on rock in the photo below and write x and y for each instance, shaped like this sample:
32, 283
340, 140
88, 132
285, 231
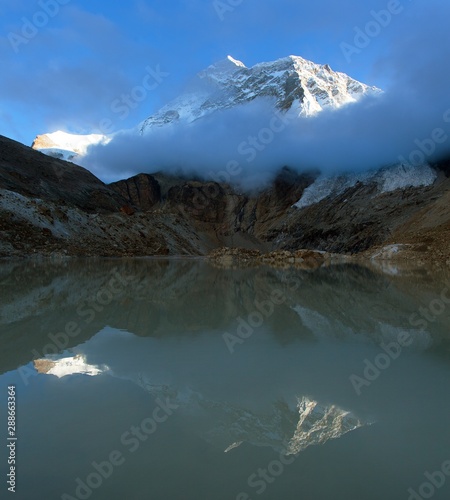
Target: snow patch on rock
66, 146
387, 180
76, 365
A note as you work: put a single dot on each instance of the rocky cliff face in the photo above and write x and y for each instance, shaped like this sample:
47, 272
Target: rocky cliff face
43, 142
35, 175
49, 207
142, 191
362, 216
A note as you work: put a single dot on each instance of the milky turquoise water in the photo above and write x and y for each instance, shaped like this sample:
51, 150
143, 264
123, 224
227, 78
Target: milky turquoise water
147, 379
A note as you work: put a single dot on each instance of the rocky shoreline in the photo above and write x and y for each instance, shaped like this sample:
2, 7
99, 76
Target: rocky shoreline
301, 259
389, 257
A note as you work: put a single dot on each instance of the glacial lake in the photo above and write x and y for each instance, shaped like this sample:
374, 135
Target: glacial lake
149, 379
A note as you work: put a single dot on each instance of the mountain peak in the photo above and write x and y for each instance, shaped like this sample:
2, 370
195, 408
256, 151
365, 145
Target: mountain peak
222, 70
67, 146
298, 59
297, 84
235, 62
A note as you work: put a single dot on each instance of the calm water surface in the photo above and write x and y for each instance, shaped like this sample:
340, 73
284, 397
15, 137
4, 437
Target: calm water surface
147, 379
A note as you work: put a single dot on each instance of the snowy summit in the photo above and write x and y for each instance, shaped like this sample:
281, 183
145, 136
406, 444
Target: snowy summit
296, 84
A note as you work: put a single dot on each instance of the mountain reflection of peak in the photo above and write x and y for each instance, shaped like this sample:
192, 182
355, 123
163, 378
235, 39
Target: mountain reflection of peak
261, 419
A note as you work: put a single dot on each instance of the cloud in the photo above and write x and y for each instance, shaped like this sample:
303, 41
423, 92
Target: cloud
257, 142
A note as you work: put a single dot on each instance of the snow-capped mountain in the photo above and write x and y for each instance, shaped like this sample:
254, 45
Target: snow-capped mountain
67, 146
297, 85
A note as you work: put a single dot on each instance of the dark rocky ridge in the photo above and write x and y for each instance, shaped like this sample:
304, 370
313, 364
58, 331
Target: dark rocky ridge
67, 210
359, 220
34, 174
142, 191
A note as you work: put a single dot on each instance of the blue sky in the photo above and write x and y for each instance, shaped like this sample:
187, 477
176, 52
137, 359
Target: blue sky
88, 53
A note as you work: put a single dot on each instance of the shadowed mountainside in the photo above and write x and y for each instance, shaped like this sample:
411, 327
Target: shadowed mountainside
52, 207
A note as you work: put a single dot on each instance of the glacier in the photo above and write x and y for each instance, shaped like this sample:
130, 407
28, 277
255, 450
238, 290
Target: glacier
387, 179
